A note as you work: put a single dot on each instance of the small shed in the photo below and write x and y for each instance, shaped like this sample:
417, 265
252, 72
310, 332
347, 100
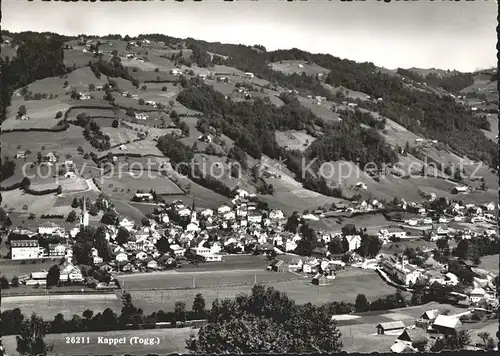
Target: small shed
278, 266
393, 327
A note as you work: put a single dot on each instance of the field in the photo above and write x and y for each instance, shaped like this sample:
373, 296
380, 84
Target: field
323, 111
11, 270
119, 185
171, 341
490, 263
41, 114
345, 288
493, 133
290, 67
294, 140
37, 204
77, 57
144, 147
48, 306
200, 279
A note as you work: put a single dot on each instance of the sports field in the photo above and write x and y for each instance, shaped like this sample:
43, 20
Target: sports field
345, 288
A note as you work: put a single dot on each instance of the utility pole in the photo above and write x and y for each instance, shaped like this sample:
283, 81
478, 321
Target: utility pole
194, 284
255, 278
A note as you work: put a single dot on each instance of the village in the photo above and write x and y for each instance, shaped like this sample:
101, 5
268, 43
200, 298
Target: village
177, 234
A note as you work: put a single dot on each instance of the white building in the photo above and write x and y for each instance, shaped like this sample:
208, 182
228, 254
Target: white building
354, 241
24, 249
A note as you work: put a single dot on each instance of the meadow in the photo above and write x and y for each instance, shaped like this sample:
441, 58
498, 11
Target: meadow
41, 114
124, 186
171, 341
48, 306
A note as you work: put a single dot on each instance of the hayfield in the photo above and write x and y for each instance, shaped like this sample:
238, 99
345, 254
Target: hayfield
490, 263
171, 341
119, 185
493, 133
294, 140
143, 147
77, 57
323, 111
48, 306
37, 204
292, 66
41, 114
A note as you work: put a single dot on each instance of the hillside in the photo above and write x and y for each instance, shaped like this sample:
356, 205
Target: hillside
301, 131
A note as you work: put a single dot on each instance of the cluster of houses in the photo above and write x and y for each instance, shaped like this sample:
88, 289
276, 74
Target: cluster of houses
427, 329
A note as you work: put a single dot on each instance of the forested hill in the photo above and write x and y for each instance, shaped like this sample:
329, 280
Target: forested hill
426, 103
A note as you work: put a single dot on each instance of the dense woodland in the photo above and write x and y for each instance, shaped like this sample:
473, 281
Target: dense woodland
253, 124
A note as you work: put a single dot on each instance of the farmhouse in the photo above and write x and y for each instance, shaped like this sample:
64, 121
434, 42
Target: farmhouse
141, 116
50, 157
477, 294
460, 190
415, 337
394, 231
354, 241
143, 197
430, 315
320, 280
24, 249
390, 328
21, 154
446, 324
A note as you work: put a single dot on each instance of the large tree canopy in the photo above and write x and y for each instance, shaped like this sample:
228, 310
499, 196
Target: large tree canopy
266, 321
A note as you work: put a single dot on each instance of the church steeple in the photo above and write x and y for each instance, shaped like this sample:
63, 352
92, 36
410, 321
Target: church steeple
84, 217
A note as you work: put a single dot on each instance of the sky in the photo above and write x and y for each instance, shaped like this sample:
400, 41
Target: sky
440, 34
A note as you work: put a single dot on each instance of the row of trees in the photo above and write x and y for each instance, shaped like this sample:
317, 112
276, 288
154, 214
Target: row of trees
264, 321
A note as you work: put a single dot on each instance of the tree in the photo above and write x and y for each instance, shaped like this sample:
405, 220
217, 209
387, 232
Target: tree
361, 303
71, 216
53, 276
30, 341
14, 282
4, 283
21, 111
58, 325
76, 203
25, 183
484, 336
266, 321
115, 124
122, 236
58, 114
87, 314
162, 245
59, 189
490, 344
199, 305
180, 311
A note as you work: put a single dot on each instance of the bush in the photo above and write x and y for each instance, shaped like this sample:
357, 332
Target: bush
59, 114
